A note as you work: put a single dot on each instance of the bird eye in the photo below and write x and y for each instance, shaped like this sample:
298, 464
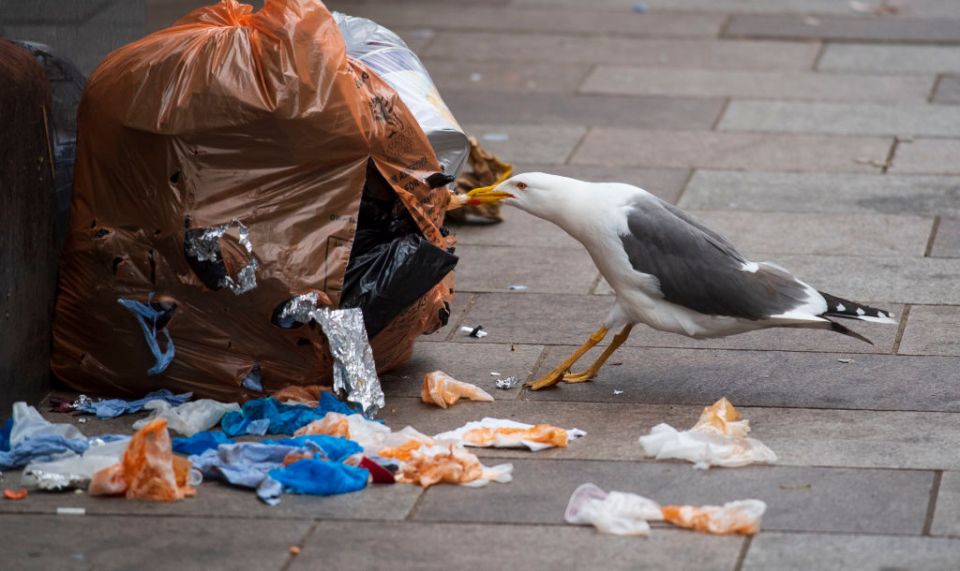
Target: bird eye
522, 185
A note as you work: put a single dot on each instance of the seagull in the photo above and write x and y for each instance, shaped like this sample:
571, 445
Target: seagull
667, 269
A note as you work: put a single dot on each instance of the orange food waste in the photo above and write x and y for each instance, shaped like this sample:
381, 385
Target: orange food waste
542, 433
15, 494
333, 424
443, 390
742, 517
148, 470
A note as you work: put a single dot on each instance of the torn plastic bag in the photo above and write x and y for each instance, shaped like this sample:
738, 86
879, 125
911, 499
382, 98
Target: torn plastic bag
388, 55
196, 128
188, 418
74, 471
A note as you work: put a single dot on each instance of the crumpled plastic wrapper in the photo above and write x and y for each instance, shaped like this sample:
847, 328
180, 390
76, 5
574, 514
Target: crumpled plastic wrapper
188, 418
507, 383
74, 471
621, 513
448, 463
148, 470
503, 433
369, 434
442, 390
354, 372
719, 438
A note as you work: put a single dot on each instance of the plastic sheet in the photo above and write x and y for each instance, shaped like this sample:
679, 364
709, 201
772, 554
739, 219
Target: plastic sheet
503, 433
74, 471
718, 439
148, 471
200, 442
188, 418
112, 408
280, 418
320, 478
442, 390
230, 115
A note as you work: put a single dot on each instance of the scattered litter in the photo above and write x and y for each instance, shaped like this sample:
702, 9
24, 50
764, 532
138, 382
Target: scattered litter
81, 420
14, 494
144, 312
442, 390
369, 434
494, 374
476, 77
617, 392
148, 471
617, 364
477, 331
28, 437
71, 511
188, 418
639, 8
294, 550
503, 433
507, 383
112, 408
281, 418
354, 372
254, 380
449, 464
495, 137
199, 443
718, 439
320, 477
518, 287
845, 361
621, 513
74, 471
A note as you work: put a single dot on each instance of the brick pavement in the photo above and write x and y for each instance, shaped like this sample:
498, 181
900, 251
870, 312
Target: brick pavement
812, 135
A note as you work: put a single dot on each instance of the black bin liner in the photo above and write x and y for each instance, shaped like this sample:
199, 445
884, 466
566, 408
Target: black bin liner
392, 264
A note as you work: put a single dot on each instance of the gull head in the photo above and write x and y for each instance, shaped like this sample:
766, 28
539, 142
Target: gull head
535, 192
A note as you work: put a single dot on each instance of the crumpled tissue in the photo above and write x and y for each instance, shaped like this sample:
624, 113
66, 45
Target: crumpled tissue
503, 433
621, 513
442, 390
719, 438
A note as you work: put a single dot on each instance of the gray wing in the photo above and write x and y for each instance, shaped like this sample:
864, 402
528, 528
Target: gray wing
699, 269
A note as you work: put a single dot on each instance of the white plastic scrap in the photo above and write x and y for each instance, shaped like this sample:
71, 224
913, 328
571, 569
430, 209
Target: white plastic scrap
190, 417
29, 423
718, 439
503, 440
621, 513
507, 383
74, 471
477, 331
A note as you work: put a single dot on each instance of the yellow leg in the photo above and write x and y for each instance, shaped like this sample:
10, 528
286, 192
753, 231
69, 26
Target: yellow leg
554, 376
593, 369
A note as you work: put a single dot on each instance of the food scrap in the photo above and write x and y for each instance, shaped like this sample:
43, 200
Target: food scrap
503, 433
11, 494
718, 439
443, 390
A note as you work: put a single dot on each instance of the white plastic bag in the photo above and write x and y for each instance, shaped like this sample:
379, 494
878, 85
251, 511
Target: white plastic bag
190, 417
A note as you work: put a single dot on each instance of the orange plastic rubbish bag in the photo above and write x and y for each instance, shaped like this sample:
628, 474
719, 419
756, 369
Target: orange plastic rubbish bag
148, 471
220, 170
443, 390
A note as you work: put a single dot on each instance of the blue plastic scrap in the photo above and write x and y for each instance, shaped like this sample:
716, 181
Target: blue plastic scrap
41, 448
143, 313
320, 477
112, 408
200, 443
283, 418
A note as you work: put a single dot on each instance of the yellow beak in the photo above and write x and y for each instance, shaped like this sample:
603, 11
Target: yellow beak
489, 194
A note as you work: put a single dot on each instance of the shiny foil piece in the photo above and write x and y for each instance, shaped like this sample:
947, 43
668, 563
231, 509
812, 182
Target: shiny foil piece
507, 383
54, 482
297, 310
204, 245
354, 372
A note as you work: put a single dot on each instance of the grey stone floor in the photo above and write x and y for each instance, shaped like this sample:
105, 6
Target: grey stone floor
810, 134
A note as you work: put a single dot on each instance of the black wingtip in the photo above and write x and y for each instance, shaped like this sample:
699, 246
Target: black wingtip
849, 332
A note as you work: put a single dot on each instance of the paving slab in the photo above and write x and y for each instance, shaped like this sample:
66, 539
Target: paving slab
917, 8
946, 244
553, 270
932, 330
569, 319
948, 90
83, 542
836, 500
799, 436
765, 378
505, 76
825, 193
737, 151
629, 80
946, 515
833, 28
935, 156
548, 144
642, 112
497, 547
471, 363
466, 46
567, 20
897, 279
890, 59
802, 552
226, 503
826, 234
841, 118
666, 183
